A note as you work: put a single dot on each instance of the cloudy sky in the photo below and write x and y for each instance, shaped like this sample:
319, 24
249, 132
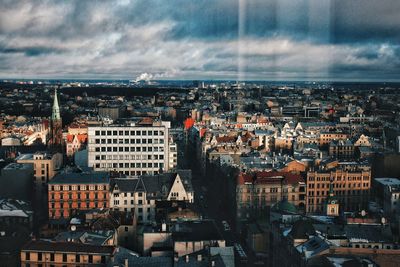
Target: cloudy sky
201, 39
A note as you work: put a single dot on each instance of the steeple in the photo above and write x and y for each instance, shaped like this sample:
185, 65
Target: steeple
332, 203
331, 194
55, 124
55, 114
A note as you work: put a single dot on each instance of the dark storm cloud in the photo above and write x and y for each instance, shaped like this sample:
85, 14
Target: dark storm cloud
200, 39
30, 51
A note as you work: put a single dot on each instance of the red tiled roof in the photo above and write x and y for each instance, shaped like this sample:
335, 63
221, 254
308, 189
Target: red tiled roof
226, 139
269, 177
81, 138
202, 132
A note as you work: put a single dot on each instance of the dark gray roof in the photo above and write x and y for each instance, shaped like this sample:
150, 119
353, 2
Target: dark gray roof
154, 183
123, 254
125, 184
196, 231
81, 178
49, 246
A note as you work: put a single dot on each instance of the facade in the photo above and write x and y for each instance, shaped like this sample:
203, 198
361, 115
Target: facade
16, 181
68, 192
257, 191
350, 186
387, 191
45, 165
342, 149
74, 143
139, 195
111, 111
135, 149
326, 137
47, 253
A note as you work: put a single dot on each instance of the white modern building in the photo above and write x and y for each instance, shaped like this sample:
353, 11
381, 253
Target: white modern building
135, 148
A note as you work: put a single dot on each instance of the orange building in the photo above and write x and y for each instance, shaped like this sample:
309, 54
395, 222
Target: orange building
351, 186
70, 192
326, 137
48, 253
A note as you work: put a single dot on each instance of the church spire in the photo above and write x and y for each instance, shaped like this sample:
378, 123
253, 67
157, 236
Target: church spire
55, 123
55, 115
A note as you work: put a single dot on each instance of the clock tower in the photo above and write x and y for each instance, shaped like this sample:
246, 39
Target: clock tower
332, 204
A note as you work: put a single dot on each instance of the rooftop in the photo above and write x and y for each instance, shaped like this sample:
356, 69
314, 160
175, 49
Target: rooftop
50, 246
81, 178
387, 181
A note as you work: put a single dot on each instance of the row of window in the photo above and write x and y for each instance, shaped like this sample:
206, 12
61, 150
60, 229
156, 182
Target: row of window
136, 165
78, 205
128, 141
78, 187
129, 157
338, 178
137, 133
78, 196
129, 149
312, 186
129, 194
42, 257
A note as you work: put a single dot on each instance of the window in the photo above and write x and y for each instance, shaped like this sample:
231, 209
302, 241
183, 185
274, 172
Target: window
27, 256
51, 256
39, 256
64, 258
90, 259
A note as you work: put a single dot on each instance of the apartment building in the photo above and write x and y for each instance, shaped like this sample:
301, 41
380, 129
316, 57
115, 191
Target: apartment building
256, 191
138, 195
351, 184
325, 137
45, 165
48, 253
77, 191
135, 148
341, 149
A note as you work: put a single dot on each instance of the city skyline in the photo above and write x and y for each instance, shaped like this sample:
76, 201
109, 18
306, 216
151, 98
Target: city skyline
232, 40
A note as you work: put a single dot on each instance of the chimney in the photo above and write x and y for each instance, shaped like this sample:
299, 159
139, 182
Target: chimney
176, 257
126, 263
187, 258
199, 257
163, 227
212, 263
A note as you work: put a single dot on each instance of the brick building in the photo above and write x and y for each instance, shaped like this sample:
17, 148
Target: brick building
77, 191
45, 165
351, 185
48, 253
257, 191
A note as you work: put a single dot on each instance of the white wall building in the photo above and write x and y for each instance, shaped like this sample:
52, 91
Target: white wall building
139, 194
133, 149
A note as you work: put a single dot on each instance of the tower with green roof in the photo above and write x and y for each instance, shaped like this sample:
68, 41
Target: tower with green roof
55, 123
332, 203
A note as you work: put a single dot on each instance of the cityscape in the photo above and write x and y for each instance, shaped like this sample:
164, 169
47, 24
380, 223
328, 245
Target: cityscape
209, 133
